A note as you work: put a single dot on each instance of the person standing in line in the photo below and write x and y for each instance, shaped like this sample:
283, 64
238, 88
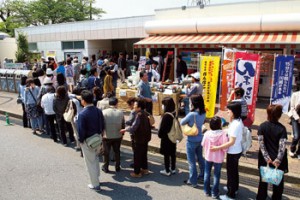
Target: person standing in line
87, 128
272, 139
237, 95
70, 75
93, 80
47, 105
234, 145
114, 122
213, 137
114, 73
61, 68
30, 101
144, 91
131, 118
167, 147
22, 88
141, 130
122, 67
294, 115
181, 68
60, 103
108, 86
78, 108
76, 65
193, 144
195, 88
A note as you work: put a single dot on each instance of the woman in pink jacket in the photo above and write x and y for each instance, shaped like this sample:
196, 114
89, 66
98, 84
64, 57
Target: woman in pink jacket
214, 137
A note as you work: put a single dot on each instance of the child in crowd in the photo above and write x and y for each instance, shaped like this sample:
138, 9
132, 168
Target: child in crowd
213, 137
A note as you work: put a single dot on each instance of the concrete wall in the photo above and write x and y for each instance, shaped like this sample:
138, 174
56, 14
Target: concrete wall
93, 46
120, 28
8, 48
234, 9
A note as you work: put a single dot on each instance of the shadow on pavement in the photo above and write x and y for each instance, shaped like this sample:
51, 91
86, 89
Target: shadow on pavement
117, 191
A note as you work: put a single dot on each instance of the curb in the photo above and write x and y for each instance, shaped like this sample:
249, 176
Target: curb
291, 178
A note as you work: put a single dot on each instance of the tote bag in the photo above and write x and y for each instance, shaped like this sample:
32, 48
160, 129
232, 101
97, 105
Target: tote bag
271, 175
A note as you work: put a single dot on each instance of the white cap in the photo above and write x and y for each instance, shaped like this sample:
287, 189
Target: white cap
49, 71
196, 75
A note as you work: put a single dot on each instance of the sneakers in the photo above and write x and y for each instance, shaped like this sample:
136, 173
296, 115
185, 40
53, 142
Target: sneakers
226, 190
164, 172
134, 175
187, 182
173, 171
96, 188
291, 154
225, 197
145, 171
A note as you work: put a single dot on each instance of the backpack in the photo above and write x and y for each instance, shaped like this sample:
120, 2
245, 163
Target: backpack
175, 133
246, 140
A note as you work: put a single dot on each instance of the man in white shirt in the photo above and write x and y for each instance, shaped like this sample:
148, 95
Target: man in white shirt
47, 105
155, 73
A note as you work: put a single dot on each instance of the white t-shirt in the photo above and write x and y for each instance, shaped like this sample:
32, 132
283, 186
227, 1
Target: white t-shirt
235, 129
47, 103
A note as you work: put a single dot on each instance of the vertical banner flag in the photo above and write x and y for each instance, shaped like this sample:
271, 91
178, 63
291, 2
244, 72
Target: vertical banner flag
282, 81
247, 77
209, 68
227, 76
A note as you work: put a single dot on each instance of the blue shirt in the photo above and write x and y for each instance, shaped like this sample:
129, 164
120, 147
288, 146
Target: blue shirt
90, 122
190, 120
144, 90
31, 99
61, 69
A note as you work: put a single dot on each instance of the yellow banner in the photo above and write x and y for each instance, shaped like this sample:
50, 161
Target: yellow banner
209, 74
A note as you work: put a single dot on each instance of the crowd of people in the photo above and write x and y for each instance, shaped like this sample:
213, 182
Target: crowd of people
89, 88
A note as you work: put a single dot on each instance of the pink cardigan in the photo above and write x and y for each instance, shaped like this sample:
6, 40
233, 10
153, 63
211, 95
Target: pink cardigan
214, 138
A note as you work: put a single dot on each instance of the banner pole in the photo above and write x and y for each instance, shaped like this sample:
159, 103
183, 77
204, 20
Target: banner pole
220, 78
273, 74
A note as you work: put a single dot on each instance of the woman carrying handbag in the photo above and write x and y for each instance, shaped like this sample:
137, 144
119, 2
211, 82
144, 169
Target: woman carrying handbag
272, 138
193, 145
167, 147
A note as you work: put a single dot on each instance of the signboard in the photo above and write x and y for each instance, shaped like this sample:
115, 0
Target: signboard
209, 78
247, 68
51, 54
227, 83
13, 65
282, 81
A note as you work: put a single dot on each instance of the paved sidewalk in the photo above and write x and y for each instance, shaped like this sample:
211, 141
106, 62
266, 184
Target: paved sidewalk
247, 165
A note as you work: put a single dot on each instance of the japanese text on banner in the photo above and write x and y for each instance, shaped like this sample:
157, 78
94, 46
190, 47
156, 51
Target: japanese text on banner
247, 77
209, 78
282, 81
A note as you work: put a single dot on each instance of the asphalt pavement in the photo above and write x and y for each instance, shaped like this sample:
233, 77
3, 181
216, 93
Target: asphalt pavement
34, 167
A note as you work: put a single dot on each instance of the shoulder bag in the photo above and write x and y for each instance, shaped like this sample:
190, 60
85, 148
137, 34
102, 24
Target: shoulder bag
38, 106
94, 141
190, 131
69, 112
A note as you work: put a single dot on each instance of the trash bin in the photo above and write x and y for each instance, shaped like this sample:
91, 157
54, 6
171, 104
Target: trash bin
10, 80
3, 83
17, 77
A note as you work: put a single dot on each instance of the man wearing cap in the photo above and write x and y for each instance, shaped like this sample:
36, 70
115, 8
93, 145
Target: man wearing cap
192, 89
144, 91
114, 122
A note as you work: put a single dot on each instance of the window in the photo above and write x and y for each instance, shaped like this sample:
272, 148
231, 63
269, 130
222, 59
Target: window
73, 45
32, 46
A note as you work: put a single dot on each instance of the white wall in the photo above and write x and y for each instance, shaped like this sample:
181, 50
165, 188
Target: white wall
93, 46
8, 48
44, 47
234, 9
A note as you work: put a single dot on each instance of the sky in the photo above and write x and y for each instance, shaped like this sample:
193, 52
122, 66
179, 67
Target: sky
129, 8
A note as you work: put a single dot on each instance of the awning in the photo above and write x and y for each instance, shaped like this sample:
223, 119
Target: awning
216, 40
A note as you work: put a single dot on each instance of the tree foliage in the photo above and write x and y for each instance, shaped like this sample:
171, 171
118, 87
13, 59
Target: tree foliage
19, 13
23, 49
